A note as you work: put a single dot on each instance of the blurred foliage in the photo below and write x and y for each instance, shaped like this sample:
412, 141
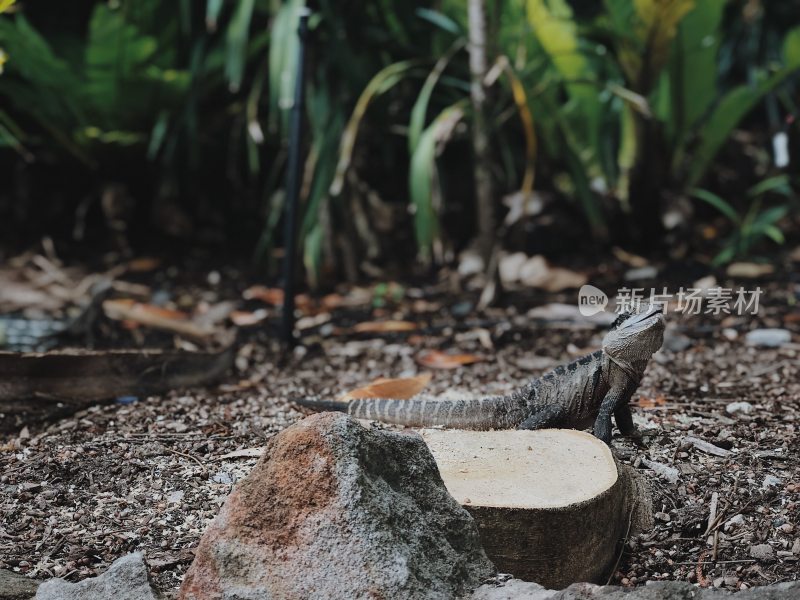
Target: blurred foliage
756, 223
618, 107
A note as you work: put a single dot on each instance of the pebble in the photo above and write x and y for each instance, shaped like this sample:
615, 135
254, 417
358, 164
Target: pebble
796, 547
730, 334
735, 408
762, 552
768, 338
662, 516
222, 477
175, 497
770, 481
786, 528
733, 522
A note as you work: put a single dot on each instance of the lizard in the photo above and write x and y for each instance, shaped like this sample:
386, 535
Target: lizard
583, 393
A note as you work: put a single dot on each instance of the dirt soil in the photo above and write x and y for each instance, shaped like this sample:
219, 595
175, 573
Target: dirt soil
149, 476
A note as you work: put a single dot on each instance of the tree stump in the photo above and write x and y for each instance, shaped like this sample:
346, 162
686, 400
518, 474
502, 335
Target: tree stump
552, 506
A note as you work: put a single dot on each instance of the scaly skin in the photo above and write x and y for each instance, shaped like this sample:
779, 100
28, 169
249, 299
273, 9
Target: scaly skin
584, 392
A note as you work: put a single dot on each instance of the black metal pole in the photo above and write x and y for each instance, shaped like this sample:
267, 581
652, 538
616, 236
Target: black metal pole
293, 183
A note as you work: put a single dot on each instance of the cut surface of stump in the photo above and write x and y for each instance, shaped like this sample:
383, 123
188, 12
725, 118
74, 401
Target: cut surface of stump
551, 505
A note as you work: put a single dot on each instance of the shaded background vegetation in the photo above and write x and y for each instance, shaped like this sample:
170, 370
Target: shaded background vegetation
660, 125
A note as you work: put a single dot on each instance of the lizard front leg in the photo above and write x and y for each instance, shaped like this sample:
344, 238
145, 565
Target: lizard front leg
624, 419
616, 403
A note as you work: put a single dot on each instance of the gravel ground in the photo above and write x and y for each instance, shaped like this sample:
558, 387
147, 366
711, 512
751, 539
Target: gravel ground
149, 476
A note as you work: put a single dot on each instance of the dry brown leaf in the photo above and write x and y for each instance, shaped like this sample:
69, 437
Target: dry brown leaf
645, 402
630, 259
143, 264
243, 318
434, 359
274, 297
156, 317
384, 326
402, 388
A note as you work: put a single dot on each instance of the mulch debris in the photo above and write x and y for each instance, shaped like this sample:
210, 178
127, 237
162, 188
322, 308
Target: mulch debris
719, 420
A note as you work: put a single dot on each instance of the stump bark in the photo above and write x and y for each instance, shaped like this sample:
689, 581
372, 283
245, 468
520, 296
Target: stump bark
552, 506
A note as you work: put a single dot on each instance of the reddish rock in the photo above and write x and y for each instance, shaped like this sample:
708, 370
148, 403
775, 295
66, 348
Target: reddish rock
335, 510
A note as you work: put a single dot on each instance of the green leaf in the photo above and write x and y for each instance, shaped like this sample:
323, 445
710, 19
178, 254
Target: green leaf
213, 8
420, 109
778, 184
383, 81
693, 66
236, 43
769, 217
775, 234
791, 47
422, 173
283, 52
721, 205
440, 20
726, 255
312, 254
733, 107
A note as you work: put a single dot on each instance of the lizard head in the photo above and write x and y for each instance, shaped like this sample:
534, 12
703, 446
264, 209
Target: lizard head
637, 337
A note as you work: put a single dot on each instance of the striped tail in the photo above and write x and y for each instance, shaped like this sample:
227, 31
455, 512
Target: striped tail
481, 414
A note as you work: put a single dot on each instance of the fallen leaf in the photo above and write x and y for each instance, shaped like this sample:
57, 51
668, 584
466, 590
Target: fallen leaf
557, 312
645, 402
143, 264
402, 388
747, 270
243, 318
272, 296
384, 326
535, 272
155, 317
434, 359
510, 266
127, 304
521, 204
630, 259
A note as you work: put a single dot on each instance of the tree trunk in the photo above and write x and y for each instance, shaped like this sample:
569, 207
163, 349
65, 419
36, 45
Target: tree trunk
552, 505
478, 64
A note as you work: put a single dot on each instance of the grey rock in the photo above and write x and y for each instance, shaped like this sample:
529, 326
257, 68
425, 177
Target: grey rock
768, 338
736, 408
762, 552
511, 589
14, 586
125, 579
770, 481
734, 522
657, 590
336, 510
